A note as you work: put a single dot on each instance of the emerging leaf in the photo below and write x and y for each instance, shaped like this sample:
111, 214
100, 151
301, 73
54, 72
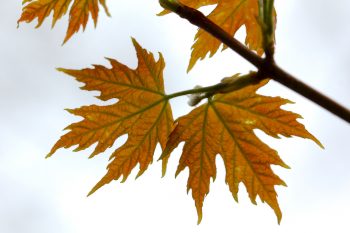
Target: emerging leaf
225, 126
78, 15
142, 112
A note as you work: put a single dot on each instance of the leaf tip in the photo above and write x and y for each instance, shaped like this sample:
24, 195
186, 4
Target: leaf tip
284, 165
68, 36
163, 173
71, 111
313, 138
53, 150
105, 9
162, 13
177, 173
135, 43
164, 167
235, 197
200, 215
125, 177
279, 218
199, 220
278, 212
190, 66
92, 191
284, 184
62, 70
77, 149
287, 101
139, 173
319, 144
102, 182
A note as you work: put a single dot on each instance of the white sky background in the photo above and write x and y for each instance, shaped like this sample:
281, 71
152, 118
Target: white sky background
40, 196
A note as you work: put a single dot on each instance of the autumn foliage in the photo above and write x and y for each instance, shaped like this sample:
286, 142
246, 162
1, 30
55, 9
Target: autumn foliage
79, 12
143, 113
224, 125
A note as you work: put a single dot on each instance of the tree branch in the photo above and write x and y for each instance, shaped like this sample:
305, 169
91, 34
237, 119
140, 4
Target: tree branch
265, 67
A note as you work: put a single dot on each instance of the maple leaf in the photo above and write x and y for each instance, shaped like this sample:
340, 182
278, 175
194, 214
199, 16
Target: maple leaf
224, 125
142, 112
78, 15
230, 15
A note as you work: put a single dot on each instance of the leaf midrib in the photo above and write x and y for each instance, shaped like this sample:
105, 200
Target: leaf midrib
256, 113
148, 132
123, 118
240, 148
87, 76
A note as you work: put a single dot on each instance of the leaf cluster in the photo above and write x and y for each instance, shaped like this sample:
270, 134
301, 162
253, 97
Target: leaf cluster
221, 126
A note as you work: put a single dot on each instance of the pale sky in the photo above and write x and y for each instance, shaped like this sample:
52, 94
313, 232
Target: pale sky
40, 195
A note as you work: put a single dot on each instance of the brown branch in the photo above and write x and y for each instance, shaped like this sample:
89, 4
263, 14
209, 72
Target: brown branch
265, 67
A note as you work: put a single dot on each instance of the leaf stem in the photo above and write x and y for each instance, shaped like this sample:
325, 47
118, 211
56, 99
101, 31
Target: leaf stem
196, 91
226, 85
266, 20
267, 68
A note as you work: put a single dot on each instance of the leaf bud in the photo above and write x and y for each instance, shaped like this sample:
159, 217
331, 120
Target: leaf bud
194, 99
171, 5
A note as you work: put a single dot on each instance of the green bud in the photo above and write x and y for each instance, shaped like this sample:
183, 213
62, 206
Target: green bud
171, 5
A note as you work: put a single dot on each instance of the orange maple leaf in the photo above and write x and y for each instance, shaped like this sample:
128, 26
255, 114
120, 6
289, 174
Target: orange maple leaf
225, 126
230, 15
78, 15
142, 112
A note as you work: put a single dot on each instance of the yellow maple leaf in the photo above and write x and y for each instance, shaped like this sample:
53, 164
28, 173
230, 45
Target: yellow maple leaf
225, 126
79, 14
230, 15
142, 112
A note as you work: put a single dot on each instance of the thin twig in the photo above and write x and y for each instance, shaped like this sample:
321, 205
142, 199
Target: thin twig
269, 69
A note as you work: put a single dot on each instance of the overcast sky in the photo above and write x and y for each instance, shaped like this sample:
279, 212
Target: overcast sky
40, 196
